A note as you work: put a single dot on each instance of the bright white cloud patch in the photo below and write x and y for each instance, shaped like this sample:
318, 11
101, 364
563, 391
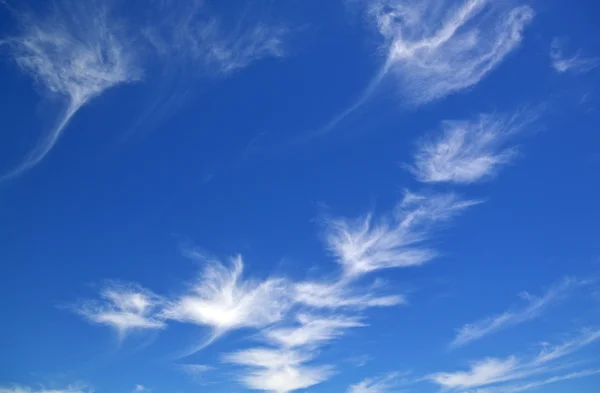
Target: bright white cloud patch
339, 294
466, 151
534, 308
124, 308
311, 330
482, 373
363, 246
223, 300
278, 370
437, 48
76, 53
561, 62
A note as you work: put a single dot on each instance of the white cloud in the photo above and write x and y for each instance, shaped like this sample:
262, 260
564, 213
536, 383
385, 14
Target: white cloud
196, 369
124, 308
312, 330
278, 370
466, 151
190, 32
551, 353
494, 371
575, 63
482, 373
77, 54
534, 308
339, 294
27, 389
223, 300
363, 246
140, 388
536, 384
382, 384
436, 49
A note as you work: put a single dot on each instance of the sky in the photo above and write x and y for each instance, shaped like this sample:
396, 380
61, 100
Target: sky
354, 196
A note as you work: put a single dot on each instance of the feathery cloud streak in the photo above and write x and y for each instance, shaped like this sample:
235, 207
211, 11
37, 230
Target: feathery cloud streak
382, 384
27, 389
436, 49
493, 371
79, 50
360, 249
222, 300
466, 151
575, 63
76, 53
124, 308
296, 319
278, 370
534, 308
190, 33
363, 246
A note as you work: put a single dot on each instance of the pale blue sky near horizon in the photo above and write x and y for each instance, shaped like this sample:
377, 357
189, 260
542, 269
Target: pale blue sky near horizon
360, 196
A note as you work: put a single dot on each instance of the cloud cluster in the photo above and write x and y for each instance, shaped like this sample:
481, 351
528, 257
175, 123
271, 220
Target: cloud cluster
294, 319
575, 63
436, 49
359, 247
79, 50
534, 308
223, 300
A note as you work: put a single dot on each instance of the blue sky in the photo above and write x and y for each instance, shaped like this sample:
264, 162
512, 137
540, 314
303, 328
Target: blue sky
357, 196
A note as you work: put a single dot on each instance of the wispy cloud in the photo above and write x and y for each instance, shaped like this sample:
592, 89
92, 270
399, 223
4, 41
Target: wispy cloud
467, 151
285, 366
278, 370
338, 294
311, 330
125, 308
363, 246
436, 49
27, 389
534, 308
383, 384
223, 300
360, 248
551, 353
196, 369
575, 63
536, 384
494, 371
191, 33
77, 52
